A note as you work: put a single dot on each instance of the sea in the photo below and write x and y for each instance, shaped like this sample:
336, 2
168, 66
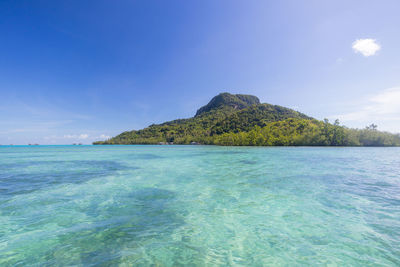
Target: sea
145, 205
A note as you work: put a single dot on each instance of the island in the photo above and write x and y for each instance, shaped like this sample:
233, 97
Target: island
242, 120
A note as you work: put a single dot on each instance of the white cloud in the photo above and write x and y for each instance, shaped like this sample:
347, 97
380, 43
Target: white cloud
83, 136
382, 108
75, 136
105, 137
367, 47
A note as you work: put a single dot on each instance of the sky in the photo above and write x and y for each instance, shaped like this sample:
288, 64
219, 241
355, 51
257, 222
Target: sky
80, 71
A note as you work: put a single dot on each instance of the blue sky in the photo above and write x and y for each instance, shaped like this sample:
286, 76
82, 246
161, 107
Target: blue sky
79, 71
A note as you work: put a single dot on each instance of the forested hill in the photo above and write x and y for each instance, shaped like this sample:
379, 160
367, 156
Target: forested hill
226, 100
242, 120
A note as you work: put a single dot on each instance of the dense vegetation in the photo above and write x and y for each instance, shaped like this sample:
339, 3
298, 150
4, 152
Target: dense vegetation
301, 132
241, 120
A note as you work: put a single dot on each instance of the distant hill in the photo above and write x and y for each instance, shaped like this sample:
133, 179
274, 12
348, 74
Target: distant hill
230, 119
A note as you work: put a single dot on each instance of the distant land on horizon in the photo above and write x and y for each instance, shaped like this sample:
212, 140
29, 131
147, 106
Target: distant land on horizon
242, 120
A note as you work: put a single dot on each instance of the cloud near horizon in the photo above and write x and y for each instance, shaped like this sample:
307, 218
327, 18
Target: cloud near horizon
84, 136
76, 136
104, 137
367, 47
68, 138
382, 108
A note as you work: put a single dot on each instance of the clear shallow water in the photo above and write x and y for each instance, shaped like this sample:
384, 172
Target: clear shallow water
199, 206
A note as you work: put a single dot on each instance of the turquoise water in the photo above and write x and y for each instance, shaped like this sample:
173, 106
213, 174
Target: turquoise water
199, 206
